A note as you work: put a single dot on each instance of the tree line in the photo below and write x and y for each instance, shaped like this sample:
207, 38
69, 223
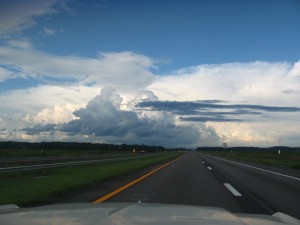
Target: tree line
76, 146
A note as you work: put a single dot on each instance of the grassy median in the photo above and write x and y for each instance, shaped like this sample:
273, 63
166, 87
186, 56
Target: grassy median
289, 159
24, 188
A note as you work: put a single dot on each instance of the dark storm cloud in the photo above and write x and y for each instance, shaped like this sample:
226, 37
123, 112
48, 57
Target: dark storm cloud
212, 110
39, 128
103, 118
190, 106
209, 119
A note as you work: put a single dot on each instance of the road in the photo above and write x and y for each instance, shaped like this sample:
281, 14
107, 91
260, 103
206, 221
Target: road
198, 179
277, 191
73, 162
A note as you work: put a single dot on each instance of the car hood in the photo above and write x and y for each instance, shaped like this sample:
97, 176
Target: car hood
132, 213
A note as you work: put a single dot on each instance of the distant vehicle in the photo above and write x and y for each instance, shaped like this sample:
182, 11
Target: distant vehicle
133, 213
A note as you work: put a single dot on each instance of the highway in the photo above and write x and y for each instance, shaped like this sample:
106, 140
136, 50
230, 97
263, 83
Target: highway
73, 162
277, 191
198, 179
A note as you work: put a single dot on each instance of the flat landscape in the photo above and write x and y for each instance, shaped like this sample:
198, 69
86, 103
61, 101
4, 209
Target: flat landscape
39, 184
286, 159
199, 179
189, 178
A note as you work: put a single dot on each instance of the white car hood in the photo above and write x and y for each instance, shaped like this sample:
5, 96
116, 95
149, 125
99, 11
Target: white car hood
132, 213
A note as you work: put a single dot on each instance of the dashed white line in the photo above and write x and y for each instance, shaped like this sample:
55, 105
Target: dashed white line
209, 168
203, 162
269, 171
232, 190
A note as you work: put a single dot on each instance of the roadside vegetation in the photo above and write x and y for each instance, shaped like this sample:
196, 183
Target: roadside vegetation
10, 149
289, 159
25, 188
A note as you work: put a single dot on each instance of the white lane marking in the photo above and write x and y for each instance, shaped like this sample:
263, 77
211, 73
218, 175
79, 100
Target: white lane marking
232, 190
209, 168
203, 162
253, 167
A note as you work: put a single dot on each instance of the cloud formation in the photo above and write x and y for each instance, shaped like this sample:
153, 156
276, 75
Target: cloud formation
103, 118
49, 31
255, 82
149, 108
18, 15
189, 106
126, 71
212, 110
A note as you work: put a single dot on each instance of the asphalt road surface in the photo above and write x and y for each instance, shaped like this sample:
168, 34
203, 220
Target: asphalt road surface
198, 179
74, 161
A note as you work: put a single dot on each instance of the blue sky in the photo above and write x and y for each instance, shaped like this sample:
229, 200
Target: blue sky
113, 58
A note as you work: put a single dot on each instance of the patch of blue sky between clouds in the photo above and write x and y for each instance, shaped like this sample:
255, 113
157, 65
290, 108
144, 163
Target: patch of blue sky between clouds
18, 83
51, 80
30, 82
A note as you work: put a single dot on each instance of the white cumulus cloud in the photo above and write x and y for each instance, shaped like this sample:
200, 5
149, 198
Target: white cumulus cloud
126, 71
254, 82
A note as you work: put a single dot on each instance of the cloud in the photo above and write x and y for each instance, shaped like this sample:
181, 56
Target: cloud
49, 32
126, 71
254, 82
22, 44
40, 128
103, 118
41, 105
164, 109
295, 71
237, 124
206, 119
212, 110
291, 92
18, 15
6, 74
192, 106
53, 104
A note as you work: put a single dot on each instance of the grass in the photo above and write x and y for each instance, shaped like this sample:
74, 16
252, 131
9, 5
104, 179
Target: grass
9, 153
290, 159
26, 188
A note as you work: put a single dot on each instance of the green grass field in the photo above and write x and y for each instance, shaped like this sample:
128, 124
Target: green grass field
24, 188
288, 159
9, 153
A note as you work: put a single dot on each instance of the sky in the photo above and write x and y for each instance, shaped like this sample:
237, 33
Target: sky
174, 73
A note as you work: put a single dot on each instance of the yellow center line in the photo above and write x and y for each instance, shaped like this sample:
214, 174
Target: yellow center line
115, 192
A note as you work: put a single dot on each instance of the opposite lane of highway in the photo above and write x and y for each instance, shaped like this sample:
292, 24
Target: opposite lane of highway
71, 163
